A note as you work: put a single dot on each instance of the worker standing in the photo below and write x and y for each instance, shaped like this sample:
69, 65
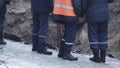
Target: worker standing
40, 10
64, 13
97, 17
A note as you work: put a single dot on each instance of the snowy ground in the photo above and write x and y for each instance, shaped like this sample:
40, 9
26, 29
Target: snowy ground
18, 55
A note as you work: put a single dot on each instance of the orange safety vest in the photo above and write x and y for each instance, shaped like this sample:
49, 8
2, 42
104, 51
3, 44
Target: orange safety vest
63, 7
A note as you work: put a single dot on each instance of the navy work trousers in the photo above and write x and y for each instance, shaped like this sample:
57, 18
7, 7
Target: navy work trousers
2, 16
98, 35
69, 34
2, 19
40, 29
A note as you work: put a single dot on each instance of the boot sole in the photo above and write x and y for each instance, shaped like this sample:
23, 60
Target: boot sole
94, 60
71, 59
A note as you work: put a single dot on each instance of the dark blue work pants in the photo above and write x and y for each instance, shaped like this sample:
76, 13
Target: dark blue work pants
2, 19
98, 35
69, 35
40, 29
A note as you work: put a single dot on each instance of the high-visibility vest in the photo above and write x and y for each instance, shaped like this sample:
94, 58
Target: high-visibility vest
63, 7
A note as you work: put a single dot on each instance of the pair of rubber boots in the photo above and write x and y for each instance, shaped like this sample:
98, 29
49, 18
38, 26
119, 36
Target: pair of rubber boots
65, 54
38, 48
2, 42
99, 55
45, 51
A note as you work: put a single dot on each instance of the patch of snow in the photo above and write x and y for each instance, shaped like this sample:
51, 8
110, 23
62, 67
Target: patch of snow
19, 55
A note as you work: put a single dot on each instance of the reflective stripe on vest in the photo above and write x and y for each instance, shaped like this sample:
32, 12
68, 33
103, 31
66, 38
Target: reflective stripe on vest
63, 7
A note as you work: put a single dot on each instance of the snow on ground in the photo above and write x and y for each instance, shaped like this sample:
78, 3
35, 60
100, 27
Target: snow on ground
19, 55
